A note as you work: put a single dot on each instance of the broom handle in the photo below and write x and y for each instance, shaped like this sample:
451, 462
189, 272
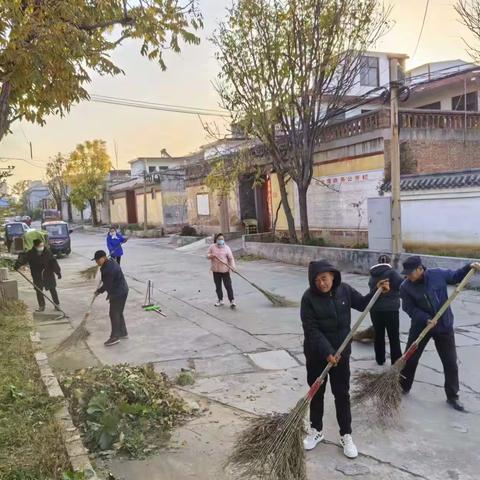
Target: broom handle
414, 346
38, 290
318, 382
232, 269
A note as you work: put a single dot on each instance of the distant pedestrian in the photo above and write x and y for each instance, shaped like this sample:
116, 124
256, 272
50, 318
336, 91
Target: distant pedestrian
114, 243
385, 314
114, 283
423, 293
326, 317
43, 267
222, 262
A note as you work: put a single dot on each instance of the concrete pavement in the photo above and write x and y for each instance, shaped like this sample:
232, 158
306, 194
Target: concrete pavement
250, 361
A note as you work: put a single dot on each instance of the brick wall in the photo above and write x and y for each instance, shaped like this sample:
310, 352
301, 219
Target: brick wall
433, 156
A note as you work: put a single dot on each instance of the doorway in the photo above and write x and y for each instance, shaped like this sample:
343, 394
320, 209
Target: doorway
131, 207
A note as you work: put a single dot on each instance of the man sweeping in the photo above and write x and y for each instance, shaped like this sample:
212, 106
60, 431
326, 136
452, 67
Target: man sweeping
114, 283
423, 293
326, 317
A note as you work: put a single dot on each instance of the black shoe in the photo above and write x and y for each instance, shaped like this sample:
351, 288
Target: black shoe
111, 341
380, 363
40, 309
456, 404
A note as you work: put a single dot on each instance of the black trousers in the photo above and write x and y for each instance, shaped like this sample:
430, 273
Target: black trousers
218, 277
117, 259
41, 298
340, 384
390, 322
445, 345
117, 305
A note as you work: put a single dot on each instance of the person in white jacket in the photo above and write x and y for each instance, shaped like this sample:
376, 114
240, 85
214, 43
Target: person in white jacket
222, 261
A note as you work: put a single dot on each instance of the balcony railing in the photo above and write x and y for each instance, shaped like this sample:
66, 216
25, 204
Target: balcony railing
420, 119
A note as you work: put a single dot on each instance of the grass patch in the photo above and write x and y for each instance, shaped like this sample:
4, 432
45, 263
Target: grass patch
122, 409
185, 378
249, 258
30, 440
462, 251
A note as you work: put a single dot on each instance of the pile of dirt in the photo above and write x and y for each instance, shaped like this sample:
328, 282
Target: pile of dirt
123, 409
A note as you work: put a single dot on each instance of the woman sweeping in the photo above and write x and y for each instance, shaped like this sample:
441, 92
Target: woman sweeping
114, 244
385, 313
222, 261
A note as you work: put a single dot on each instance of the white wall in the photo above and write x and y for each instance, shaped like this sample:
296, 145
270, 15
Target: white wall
138, 166
330, 203
441, 218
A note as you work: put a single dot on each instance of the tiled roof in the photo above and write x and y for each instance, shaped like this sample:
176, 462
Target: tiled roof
439, 181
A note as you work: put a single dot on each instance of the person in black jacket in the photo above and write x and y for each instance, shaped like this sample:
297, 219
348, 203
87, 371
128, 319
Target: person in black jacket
326, 316
423, 293
114, 283
385, 314
43, 267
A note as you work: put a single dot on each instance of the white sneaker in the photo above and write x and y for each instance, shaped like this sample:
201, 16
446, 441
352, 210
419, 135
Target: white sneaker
220, 303
313, 438
349, 448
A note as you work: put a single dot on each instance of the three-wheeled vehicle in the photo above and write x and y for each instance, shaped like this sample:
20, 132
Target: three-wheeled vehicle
14, 230
58, 236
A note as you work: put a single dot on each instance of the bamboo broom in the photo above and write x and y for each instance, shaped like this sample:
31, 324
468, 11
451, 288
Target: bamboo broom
276, 300
80, 333
384, 389
272, 445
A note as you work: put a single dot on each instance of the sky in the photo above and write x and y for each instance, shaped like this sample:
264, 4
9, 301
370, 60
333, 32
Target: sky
188, 82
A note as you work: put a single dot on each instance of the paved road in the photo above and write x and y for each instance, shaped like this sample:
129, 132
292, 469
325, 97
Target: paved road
250, 360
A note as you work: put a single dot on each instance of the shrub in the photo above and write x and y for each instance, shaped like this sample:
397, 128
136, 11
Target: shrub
188, 231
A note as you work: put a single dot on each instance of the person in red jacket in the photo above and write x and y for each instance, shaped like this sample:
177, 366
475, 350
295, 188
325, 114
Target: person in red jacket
222, 261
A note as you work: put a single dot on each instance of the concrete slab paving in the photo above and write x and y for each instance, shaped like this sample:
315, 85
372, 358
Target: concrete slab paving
273, 360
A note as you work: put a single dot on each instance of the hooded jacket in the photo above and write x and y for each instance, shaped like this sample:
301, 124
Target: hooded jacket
422, 300
387, 302
326, 317
113, 281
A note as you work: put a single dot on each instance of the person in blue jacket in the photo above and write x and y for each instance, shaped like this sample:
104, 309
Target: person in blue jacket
114, 244
423, 292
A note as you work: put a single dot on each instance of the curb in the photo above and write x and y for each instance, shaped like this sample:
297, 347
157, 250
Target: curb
76, 452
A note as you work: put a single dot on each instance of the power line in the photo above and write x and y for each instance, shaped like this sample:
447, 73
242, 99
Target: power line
125, 102
421, 29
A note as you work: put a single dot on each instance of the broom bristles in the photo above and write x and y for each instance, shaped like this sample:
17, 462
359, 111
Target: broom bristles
272, 447
90, 272
276, 300
80, 334
383, 390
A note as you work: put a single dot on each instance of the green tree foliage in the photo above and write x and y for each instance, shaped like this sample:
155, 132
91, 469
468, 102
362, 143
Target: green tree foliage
286, 66
49, 49
19, 193
86, 171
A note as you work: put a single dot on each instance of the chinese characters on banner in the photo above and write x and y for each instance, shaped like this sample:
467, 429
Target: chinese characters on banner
358, 177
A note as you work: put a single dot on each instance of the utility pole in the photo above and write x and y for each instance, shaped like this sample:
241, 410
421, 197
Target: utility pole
145, 197
395, 163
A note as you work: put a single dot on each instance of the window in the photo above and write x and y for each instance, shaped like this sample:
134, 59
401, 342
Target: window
151, 169
163, 167
431, 106
458, 102
369, 75
203, 204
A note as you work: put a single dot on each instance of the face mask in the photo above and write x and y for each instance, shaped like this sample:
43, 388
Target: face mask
220, 242
39, 249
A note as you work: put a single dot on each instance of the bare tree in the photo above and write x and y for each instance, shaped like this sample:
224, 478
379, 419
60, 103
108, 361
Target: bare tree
469, 11
286, 67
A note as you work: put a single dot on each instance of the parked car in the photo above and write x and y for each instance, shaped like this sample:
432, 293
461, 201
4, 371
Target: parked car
58, 236
14, 230
51, 214
26, 219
